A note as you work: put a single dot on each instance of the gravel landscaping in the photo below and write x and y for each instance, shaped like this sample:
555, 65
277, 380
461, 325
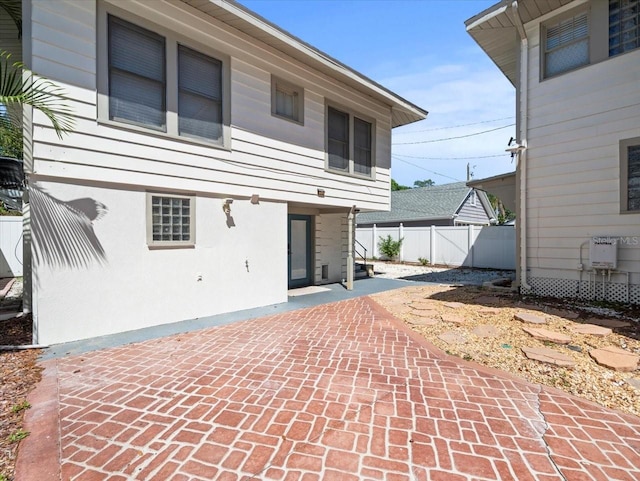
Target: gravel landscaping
483, 326
448, 275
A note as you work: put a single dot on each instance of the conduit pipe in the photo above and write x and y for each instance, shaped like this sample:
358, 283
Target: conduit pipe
522, 153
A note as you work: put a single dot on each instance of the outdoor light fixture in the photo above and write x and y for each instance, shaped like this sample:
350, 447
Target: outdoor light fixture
226, 206
320, 192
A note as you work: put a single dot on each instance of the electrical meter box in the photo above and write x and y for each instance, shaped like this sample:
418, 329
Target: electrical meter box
603, 253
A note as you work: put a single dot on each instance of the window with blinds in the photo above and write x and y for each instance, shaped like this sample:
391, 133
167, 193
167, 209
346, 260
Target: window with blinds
137, 77
633, 177
287, 100
624, 26
349, 143
566, 45
199, 95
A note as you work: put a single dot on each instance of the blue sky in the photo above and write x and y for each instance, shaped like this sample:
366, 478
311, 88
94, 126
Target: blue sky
420, 50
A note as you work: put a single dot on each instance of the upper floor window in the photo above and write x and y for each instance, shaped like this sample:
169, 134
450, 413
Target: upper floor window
566, 44
624, 26
153, 80
630, 175
287, 100
349, 143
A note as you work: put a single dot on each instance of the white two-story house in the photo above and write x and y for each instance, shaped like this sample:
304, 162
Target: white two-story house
216, 161
576, 68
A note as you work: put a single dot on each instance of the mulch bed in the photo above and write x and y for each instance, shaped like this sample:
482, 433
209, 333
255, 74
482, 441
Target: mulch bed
19, 374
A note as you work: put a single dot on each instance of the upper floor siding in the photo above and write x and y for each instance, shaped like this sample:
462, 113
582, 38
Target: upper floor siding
576, 121
261, 153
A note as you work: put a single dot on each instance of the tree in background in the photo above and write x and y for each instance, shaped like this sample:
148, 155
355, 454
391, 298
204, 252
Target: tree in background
504, 214
424, 183
396, 186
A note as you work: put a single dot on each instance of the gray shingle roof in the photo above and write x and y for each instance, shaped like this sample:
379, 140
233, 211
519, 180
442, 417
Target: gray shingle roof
435, 202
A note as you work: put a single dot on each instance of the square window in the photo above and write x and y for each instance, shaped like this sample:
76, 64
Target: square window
566, 44
169, 220
287, 100
349, 143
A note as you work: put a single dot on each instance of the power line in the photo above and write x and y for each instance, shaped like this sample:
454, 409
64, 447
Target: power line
454, 158
454, 126
453, 138
430, 171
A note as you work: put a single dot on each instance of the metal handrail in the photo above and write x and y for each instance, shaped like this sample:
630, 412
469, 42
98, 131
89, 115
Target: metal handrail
358, 253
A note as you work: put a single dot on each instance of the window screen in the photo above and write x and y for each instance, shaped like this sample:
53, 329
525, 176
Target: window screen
362, 146
136, 74
200, 95
338, 133
567, 45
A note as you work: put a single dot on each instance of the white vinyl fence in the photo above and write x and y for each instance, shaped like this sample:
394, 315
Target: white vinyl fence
10, 246
491, 247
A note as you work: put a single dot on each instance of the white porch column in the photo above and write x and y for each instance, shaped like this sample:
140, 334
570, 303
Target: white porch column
350, 241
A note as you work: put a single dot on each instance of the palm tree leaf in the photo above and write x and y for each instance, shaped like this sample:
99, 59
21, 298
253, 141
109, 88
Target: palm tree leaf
14, 10
19, 86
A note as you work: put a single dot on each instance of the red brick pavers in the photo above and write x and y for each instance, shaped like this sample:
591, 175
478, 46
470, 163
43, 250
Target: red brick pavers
341, 391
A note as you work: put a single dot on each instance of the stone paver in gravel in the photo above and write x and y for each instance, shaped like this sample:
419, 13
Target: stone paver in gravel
547, 335
486, 331
452, 337
424, 305
341, 391
615, 358
423, 322
454, 318
454, 305
591, 329
489, 311
548, 356
529, 318
612, 323
430, 313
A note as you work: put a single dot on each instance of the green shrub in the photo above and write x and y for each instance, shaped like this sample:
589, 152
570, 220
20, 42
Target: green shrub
389, 247
423, 261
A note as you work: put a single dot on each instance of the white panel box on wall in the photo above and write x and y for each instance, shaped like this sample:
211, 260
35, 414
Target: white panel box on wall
603, 253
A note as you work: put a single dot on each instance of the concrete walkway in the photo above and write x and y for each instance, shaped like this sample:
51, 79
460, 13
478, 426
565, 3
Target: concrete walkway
340, 391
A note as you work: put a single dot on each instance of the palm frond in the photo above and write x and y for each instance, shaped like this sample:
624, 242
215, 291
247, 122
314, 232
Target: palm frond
14, 10
19, 86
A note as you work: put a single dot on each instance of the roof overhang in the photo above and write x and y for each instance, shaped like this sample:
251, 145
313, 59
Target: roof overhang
241, 18
503, 186
494, 29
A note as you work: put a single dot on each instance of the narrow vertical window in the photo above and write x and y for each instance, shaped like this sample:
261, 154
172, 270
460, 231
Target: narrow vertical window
624, 26
362, 146
199, 95
338, 141
137, 79
633, 178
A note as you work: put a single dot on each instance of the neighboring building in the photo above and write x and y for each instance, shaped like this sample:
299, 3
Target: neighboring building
441, 205
576, 68
216, 161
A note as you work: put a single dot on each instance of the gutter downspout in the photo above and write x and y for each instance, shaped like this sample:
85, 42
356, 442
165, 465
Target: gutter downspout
522, 154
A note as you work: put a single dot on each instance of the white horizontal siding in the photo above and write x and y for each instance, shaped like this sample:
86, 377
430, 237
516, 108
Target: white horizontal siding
277, 159
575, 123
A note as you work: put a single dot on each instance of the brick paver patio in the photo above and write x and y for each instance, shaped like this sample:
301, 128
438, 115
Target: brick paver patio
341, 391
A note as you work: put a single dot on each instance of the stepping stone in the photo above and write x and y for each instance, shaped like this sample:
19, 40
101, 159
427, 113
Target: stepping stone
452, 337
491, 311
546, 335
591, 330
634, 382
453, 318
529, 318
486, 331
425, 313
613, 323
562, 313
549, 356
423, 322
454, 305
615, 358
427, 305
399, 309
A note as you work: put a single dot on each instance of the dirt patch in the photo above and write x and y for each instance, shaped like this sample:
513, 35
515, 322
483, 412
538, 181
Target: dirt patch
480, 308
19, 374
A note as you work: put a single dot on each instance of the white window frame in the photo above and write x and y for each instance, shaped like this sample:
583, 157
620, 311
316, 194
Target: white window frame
350, 170
553, 22
172, 41
278, 83
624, 174
149, 220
